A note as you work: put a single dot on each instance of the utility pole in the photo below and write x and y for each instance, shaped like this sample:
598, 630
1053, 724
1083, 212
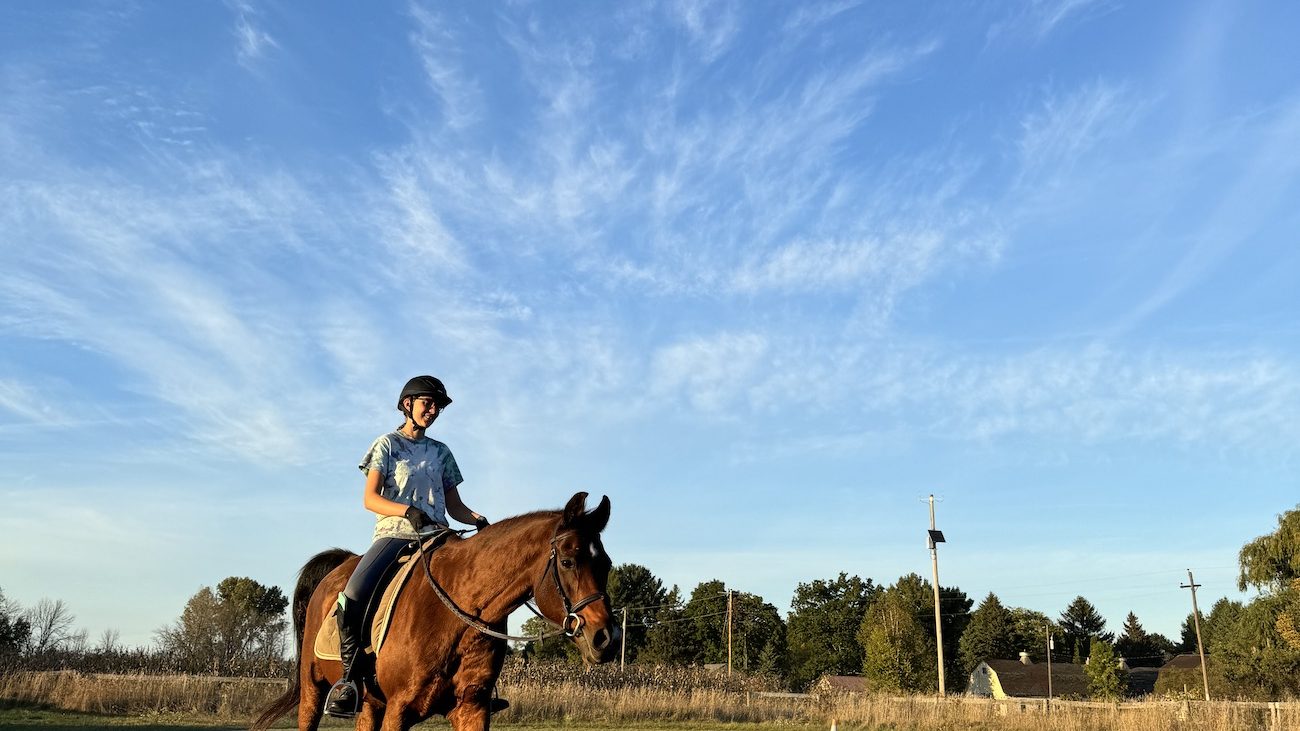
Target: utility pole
728, 632
1047, 628
936, 537
1196, 619
622, 650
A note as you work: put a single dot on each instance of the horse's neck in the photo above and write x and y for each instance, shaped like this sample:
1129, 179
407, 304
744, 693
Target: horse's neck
496, 576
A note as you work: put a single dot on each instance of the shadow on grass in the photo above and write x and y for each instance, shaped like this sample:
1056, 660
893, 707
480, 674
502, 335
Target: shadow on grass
18, 716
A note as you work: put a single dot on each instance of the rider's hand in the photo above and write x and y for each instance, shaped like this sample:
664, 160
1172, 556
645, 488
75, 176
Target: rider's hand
480, 522
419, 520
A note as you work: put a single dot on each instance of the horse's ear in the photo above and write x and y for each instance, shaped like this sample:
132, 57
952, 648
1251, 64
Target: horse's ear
574, 510
598, 518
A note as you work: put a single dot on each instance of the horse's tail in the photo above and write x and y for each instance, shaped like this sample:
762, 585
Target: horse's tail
315, 570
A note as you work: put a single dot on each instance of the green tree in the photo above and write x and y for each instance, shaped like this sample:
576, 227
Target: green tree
706, 617
1163, 646
1140, 648
1187, 635
898, 654
1271, 562
668, 635
1029, 633
1249, 653
636, 591
1220, 624
1106, 679
990, 635
15, 631
237, 630
758, 635
1081, 623
954, 608
825, 617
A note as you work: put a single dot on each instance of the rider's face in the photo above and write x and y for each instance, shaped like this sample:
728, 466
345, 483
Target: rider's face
423, 410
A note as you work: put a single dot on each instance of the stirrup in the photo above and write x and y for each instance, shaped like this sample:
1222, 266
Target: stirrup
337, 707
497, 705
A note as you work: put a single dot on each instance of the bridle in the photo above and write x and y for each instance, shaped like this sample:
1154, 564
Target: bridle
569, 627
571, 615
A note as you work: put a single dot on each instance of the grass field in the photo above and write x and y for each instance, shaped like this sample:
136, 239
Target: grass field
675, 701
38, 719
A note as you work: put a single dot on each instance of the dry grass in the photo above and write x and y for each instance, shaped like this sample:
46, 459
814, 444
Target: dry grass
687, 698
185, 695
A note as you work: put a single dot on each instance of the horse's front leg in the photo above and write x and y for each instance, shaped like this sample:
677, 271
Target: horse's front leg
473, 711
480, 666
368, 718
396, 717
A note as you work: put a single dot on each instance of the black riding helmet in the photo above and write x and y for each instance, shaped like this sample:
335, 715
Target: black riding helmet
425, 386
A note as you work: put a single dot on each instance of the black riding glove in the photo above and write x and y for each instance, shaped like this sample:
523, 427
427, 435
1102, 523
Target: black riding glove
480, 522
419, 520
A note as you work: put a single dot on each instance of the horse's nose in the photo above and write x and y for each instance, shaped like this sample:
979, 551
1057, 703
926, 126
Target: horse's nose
601, 639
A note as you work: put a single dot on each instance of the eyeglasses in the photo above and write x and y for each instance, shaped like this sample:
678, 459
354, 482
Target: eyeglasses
425, 401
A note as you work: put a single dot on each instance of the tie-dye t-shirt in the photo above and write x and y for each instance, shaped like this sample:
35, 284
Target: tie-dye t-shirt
416, 472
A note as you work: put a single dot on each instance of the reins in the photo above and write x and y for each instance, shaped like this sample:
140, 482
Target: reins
571, 610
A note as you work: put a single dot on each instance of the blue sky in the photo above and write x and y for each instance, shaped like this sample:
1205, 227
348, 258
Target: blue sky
766, 274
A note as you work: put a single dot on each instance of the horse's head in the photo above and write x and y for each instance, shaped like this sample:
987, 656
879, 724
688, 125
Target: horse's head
578, 570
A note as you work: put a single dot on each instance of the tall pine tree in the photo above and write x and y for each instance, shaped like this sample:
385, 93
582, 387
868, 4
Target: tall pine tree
1137, 647
988, 636
1081, 623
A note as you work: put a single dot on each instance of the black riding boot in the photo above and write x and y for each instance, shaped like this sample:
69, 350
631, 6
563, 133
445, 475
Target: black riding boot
345, 697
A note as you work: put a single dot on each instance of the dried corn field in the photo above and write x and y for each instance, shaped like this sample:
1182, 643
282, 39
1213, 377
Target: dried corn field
655, 698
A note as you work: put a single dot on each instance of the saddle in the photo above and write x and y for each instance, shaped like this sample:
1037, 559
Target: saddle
378, 613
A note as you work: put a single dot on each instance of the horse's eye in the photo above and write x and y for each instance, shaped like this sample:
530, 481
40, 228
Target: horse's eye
566, 563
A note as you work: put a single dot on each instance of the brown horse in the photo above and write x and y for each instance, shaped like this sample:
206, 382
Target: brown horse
432, 660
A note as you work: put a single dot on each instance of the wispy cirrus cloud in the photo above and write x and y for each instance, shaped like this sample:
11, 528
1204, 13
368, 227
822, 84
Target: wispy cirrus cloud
710, 24
1069, 125
1260, 183
1038, 19
252, 42
458, 91
146, 278
1097, 396
809, 16
27, 405
712, 373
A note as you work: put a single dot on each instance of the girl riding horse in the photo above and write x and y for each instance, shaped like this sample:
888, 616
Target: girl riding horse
445, 644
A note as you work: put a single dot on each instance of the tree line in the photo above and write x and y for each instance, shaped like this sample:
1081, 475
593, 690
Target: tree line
238, 629
849, 625
846, 625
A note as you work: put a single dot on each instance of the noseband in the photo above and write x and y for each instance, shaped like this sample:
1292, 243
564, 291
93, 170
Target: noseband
573, 621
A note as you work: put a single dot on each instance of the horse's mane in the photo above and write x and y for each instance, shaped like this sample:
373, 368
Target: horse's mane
514, 522
534, 514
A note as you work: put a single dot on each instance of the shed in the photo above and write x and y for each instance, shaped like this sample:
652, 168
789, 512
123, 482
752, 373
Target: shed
832, 684
1003, 679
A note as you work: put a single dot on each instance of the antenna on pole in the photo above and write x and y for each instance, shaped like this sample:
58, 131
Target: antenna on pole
1051, 645
935, 537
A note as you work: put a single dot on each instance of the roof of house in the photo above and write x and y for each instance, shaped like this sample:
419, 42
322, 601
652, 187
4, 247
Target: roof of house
1030, 681
849, 683
1183, 662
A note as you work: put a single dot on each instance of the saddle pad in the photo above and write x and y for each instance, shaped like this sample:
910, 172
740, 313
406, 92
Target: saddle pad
327, 637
